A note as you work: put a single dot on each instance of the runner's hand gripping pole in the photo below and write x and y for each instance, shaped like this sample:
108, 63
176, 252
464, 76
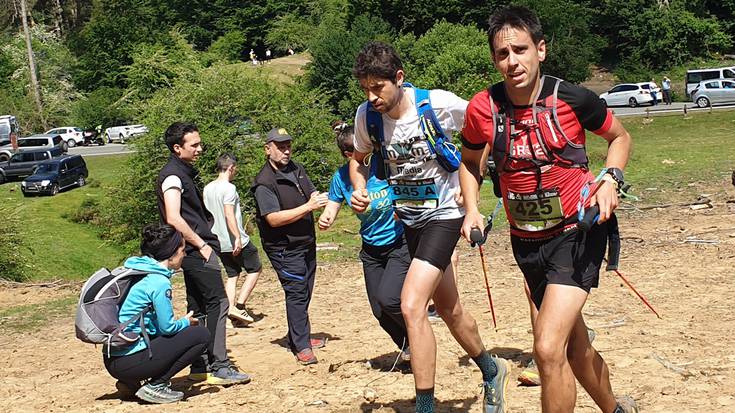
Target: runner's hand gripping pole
478, 238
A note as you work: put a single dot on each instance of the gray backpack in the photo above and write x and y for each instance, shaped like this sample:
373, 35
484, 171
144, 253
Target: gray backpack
99, 305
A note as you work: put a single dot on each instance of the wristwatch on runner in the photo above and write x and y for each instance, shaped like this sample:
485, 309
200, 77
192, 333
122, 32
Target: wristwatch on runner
617, 176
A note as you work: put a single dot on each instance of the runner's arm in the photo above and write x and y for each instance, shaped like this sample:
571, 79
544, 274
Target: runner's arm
470, 177
618, 152
359, 177
329, 215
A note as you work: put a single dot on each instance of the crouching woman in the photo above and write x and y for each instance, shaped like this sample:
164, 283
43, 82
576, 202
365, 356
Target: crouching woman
174, 343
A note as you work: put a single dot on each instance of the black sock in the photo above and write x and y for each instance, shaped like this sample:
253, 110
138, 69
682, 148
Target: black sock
425, 400
487, 365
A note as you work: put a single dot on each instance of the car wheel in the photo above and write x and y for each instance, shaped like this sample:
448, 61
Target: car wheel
632, 102
81, 181
702, 102
4, 158
71, 143
54, 189
122, 138
26, 194
2, 179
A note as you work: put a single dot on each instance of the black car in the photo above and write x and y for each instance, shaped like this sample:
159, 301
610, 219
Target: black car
24, 163
54, 175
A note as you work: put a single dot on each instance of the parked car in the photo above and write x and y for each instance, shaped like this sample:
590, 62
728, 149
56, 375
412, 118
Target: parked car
42, 141
73, 136
630, 94
697, 75
712, 92
57, 174
8, 128
122, 133
24, 163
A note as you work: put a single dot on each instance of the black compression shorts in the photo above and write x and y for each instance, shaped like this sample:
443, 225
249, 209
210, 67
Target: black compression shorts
435, 241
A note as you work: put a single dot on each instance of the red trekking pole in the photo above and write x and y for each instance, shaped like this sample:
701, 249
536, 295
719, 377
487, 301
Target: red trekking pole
478, 239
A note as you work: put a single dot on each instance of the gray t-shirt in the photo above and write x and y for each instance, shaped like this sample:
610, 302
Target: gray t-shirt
217, 194
412, 170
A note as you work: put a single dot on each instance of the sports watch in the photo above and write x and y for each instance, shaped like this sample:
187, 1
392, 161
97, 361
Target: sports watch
617, 175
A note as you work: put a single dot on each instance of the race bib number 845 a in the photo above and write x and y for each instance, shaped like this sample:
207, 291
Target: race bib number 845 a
419, 193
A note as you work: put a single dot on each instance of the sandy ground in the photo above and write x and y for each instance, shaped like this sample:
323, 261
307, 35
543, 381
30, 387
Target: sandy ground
681, 363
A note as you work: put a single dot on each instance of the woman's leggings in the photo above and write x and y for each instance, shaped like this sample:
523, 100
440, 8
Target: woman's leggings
171, 354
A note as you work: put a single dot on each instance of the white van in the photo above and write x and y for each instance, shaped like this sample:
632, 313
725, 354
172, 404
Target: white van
697, 75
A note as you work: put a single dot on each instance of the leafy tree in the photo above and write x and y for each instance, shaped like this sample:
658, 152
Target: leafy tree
101, 107
233, 108
290, 31
228, 48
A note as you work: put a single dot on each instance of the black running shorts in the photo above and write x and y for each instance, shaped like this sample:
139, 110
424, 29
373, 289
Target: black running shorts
571, 258
247, 260
435, 241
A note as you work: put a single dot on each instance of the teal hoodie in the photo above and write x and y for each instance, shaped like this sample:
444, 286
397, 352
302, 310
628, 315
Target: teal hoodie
154, 289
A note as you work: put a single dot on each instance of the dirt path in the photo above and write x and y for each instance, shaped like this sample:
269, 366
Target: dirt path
690, 285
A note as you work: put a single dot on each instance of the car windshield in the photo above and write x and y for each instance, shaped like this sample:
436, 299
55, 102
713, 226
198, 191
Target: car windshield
4, 129
47, 168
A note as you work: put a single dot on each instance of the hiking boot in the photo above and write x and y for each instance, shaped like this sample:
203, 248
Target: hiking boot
405, 355
529, 376
127, 390
306, 357
433, 315
240, 315
159, 393
626, 404
494, 399
227, 375
318, 342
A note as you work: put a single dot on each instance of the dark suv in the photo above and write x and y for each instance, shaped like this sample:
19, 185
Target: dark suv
25, 163
54, 175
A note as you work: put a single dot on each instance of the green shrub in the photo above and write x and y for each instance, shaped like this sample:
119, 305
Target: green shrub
13, 262
227, 48
101, 107
233, 109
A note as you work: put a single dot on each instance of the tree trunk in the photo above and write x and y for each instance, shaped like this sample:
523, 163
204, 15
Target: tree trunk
31, 63
58, 18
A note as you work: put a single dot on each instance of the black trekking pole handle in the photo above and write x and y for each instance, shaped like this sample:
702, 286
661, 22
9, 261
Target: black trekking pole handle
591, 215
476, 237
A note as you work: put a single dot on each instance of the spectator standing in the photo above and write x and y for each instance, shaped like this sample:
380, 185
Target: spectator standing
666, 88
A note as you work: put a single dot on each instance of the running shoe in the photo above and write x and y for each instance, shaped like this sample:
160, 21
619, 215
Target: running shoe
433, 315
159, 393
529, 376
198, 371
495, 389
227, 375
306, 357
318, 342
626, 404
240, 315
405, 355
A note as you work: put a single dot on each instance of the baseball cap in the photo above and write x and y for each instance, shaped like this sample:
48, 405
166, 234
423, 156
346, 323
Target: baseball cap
278, 135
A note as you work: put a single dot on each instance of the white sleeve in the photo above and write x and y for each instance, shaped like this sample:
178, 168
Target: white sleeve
171, 181
230, 197
362, 141
449, 109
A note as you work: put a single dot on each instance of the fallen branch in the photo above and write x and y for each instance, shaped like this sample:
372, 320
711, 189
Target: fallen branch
17, 284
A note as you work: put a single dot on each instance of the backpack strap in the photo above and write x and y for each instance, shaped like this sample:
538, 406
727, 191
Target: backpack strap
374, 122
555, 112
441, 146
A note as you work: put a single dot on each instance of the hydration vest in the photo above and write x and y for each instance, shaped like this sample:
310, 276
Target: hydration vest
440, 145
550, 137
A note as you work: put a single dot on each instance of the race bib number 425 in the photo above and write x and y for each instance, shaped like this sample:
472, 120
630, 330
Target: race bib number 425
536, 211
418, 193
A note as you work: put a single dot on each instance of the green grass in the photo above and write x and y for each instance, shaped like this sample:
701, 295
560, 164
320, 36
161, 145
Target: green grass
28, 318
58, 247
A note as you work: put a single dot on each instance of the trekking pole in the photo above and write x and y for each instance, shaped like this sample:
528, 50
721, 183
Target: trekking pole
478, 239
590, 218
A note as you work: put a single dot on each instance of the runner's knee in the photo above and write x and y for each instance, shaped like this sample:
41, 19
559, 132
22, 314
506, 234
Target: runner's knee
549, 352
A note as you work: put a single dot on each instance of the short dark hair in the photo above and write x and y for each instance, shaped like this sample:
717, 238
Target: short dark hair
225, 161
346, 139
377, 59
175, 133
160, 241
516, 17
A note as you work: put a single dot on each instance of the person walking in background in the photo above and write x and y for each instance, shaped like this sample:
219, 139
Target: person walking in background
285, 200
238, 254
666, 89
174, 343
654, 94
384, 254
180, 205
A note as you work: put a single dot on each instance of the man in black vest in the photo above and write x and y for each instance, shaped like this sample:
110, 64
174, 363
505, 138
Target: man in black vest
285, 200
180, 204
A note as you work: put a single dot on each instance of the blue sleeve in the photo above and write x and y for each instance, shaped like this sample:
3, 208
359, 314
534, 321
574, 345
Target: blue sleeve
164, 310
337, 189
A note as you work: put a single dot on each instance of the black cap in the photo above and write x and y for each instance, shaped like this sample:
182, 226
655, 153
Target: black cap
278, 135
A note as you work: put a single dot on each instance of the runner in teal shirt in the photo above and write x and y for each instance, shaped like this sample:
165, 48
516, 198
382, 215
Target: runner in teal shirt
384, 255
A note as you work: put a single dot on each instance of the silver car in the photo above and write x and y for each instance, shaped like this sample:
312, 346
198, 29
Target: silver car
714, 91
